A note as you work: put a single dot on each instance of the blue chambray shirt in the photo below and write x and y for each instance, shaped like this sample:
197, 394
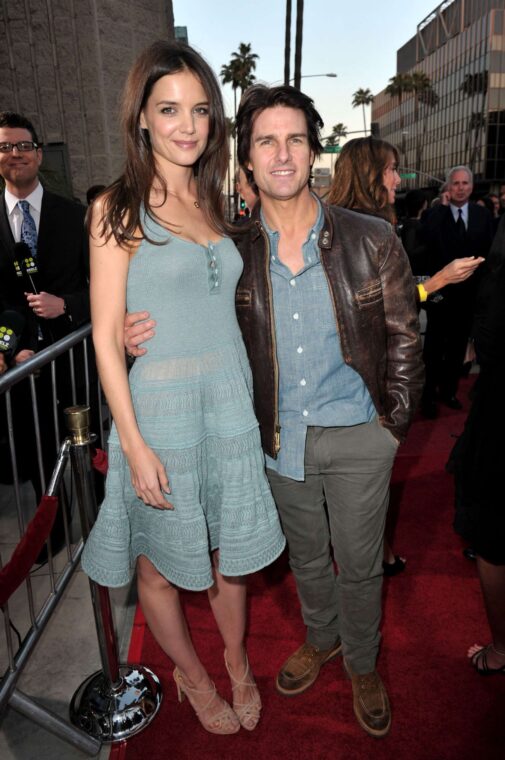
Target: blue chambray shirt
316, 387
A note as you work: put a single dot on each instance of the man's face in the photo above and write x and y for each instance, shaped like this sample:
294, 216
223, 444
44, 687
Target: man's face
280, 156
19, 170
460, 188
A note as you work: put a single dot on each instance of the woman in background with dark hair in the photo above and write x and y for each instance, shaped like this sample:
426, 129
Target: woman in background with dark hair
187, 501
366, 179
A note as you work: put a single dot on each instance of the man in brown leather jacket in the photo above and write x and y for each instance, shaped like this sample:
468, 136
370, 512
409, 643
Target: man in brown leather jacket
326, 307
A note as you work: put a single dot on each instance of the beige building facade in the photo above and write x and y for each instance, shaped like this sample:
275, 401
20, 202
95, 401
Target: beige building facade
460, 46
63, 64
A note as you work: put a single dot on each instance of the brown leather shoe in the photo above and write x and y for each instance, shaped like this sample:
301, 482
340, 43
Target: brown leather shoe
302, 668
370, 702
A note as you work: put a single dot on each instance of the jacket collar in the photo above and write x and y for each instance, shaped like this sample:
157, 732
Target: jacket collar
325, 236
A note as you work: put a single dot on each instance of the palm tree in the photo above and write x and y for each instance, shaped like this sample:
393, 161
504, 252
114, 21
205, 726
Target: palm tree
423, 94
473, 85
298, 43
239, 73
339, 130
362, 98
398, 86
287, 43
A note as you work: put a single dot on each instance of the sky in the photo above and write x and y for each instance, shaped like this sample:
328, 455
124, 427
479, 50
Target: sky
357, 41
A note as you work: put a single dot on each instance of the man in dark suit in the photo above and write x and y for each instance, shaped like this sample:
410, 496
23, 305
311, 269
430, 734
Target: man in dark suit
56, 299
453, 229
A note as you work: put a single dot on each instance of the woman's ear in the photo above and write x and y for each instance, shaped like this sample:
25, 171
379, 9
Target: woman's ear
142, 121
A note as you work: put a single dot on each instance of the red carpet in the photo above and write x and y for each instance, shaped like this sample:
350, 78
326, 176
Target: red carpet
442, 710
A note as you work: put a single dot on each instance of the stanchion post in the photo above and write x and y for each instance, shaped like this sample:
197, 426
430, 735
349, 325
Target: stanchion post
120, 700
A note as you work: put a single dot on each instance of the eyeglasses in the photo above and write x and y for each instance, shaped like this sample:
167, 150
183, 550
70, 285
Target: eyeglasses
25, 146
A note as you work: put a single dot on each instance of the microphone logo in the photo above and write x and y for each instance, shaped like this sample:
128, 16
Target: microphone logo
26, 265
6, 338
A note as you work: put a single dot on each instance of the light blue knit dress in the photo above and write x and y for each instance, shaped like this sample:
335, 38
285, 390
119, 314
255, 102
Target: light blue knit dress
193, 401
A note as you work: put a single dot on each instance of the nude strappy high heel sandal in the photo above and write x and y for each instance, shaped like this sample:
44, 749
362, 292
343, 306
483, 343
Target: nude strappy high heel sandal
248, 713
223, 722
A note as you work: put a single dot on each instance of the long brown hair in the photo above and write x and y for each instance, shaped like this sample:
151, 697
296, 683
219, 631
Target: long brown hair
357, 179
122, 202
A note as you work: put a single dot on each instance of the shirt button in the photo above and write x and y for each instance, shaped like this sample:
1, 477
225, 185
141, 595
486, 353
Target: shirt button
305, 413
273, 258
313, 236
296, 315
299, 350
292, 282
216, 283
303, 381
212, 264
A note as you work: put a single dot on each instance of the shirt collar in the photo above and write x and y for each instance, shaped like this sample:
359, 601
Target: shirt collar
455, 211
315, 229
34, 199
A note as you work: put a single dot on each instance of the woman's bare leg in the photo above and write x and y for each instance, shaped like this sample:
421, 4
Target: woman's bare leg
228, 602
161, 606
492, 581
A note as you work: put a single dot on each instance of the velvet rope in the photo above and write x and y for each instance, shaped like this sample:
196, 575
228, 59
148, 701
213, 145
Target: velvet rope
27, 550
100, 462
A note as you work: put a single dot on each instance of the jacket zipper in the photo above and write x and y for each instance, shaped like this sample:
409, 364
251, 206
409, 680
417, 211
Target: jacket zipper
277, 433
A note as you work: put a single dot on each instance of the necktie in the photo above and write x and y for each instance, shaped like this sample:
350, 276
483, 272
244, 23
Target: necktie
460, 225
28, 228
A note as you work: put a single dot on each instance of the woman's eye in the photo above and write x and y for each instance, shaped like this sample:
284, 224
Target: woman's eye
202, 111
168, 109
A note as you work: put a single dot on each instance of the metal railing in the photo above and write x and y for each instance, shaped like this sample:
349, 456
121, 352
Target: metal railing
39, 614
120, 700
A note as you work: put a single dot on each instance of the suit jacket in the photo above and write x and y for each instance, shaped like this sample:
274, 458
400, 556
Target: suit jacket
440, 234
63, 268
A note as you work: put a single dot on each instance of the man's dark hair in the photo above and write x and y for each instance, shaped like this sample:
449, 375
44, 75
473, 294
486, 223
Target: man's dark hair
15, 120
94, 191
414, 201
259, 97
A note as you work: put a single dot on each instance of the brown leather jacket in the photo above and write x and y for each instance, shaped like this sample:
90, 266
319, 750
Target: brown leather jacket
371, 287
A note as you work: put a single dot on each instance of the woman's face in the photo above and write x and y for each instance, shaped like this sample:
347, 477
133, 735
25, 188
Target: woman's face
390, 178
177, 117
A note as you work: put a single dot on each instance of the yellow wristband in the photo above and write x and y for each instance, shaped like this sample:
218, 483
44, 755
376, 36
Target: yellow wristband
423, 295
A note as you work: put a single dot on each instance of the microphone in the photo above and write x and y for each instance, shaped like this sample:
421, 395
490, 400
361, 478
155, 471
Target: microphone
26, 267
11, 327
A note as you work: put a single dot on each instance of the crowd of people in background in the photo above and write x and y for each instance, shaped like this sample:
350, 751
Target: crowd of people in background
274, 390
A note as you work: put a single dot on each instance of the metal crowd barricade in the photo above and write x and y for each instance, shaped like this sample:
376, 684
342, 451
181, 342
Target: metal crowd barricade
92, 728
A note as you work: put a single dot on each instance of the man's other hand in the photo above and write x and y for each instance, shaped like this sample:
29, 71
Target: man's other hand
137, 329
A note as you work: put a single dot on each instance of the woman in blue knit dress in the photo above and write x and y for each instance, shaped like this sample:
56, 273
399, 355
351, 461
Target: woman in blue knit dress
187, 503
